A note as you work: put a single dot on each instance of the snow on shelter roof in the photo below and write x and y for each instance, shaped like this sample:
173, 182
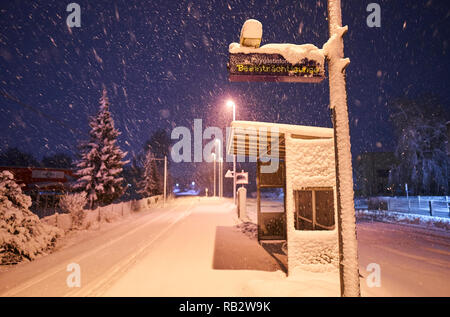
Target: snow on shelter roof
251, 138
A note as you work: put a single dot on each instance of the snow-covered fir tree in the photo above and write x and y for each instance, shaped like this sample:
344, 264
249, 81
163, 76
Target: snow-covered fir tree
22, 235
102, 161
150, 183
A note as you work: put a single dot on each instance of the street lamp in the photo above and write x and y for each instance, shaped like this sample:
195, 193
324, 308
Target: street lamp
219, 147
230, 103
221, 177
214, 159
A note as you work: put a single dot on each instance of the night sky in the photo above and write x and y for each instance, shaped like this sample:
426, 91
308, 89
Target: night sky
164, 64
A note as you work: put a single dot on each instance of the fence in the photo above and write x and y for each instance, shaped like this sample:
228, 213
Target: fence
51, 209
106, 213
437, 206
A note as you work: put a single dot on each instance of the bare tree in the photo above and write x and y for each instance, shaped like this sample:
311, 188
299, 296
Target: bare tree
420, 128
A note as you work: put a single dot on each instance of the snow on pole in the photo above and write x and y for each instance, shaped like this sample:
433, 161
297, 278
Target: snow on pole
348, 248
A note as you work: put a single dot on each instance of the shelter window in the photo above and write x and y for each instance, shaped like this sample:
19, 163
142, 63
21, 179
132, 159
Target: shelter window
314, 209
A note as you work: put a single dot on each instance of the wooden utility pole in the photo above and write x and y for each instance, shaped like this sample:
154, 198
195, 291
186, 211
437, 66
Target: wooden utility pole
348, 247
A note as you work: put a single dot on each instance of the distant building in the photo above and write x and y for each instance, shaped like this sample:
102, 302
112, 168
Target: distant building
372, 173
43, 185
448, 138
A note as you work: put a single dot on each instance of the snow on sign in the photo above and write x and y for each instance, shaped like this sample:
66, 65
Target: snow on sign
273, 62
242, 178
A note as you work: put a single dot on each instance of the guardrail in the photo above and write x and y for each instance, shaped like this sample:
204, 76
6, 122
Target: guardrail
436, 206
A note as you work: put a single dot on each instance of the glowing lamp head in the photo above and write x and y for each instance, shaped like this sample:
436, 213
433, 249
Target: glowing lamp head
230, 103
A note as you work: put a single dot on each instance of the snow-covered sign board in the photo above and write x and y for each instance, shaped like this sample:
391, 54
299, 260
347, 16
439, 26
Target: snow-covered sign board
273, 62
276, 63
242, 178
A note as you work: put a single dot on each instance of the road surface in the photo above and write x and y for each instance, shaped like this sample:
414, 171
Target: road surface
413, 261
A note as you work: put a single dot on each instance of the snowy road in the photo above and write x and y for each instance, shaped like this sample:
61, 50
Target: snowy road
413, 261
101, 255
192, 248
174, 251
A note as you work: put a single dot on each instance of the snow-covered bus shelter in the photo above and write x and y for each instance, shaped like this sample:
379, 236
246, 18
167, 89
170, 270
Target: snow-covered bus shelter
304, 161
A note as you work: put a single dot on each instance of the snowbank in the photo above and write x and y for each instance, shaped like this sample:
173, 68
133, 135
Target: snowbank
248, 228
402, 218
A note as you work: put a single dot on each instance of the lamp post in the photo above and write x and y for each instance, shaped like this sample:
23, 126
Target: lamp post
221, 177
230, 103
165, 179
214, 159
219, 148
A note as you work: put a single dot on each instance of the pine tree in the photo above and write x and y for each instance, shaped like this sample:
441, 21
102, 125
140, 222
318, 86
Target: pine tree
150, 184
101, 163
22, 235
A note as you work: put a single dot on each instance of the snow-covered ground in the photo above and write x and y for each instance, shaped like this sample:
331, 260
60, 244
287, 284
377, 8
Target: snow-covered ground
191, 192
414, 257
192, 247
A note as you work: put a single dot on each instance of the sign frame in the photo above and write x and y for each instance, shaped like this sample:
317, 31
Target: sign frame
265, 67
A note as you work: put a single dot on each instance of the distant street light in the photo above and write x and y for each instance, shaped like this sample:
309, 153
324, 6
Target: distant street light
219, 146
231, 103
214, 159
221, 177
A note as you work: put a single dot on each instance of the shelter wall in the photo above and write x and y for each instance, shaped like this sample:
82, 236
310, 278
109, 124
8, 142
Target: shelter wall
309, 163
